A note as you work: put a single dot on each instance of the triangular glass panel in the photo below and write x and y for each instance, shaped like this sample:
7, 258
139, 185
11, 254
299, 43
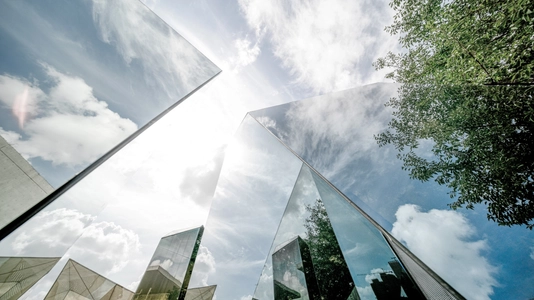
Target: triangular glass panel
121, 293
367, 252
305, 260
327, 248
72, 284
18, 274
201, 293
255, 182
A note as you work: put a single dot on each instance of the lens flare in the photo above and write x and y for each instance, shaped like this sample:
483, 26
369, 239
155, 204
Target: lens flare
20, 107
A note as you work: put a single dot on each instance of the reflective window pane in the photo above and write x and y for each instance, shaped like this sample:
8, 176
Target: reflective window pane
76, 79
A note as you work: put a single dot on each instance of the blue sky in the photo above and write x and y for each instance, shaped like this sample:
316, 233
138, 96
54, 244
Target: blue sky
270, 53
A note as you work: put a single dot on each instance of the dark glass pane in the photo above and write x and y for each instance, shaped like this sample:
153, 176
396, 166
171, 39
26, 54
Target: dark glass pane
376, 270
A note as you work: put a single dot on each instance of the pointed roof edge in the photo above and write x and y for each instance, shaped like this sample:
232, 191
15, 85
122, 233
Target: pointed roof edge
77, 263
384, 232
213, 286
178, 231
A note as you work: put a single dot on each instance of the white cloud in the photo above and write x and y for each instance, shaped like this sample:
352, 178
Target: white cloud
246, 53
103, 246
366, 293
124, 26
327, 45
52, 232
532, 252
66, 125
106, 247
204, 267
443, 240
199, 182
334, 130
375, 274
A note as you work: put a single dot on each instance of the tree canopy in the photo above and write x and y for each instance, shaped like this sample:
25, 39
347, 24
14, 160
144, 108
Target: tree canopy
462, 41
467, 91
328, 261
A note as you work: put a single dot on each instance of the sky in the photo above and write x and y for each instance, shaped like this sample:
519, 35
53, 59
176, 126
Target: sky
270, 53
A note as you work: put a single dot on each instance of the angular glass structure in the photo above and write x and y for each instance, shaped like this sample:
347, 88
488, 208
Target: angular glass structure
78, 282
335, 135
171, 265
201, 293
79, 80
255, 182
279, 228
336, 247
18, 274
307, 206
293, 271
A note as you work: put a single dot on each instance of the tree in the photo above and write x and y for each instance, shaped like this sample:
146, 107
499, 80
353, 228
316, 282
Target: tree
462, 41
331, 270
482, 144
173, 294
467, 76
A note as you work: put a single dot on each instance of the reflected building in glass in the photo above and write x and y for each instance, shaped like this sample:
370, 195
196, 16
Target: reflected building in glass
170, 268
293, 273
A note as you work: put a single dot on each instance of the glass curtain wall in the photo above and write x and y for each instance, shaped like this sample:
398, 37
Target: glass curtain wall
334, 133
77, 79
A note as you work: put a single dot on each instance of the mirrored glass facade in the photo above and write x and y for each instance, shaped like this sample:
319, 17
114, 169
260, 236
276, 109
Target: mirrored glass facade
336, 254
305, 206
293, 271
335, 135
171, 265
79, 80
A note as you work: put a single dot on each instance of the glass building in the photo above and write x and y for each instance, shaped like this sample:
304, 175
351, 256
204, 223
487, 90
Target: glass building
305, 206
171, 265
293, 272
76, 89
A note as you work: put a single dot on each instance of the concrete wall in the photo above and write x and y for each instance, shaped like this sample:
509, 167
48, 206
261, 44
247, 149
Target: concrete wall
20, 185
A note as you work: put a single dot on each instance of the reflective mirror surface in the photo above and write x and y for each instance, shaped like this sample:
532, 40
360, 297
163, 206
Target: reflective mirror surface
335, 134
76, 79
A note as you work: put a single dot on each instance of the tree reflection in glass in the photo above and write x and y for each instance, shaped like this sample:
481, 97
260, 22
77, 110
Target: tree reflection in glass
330, 251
